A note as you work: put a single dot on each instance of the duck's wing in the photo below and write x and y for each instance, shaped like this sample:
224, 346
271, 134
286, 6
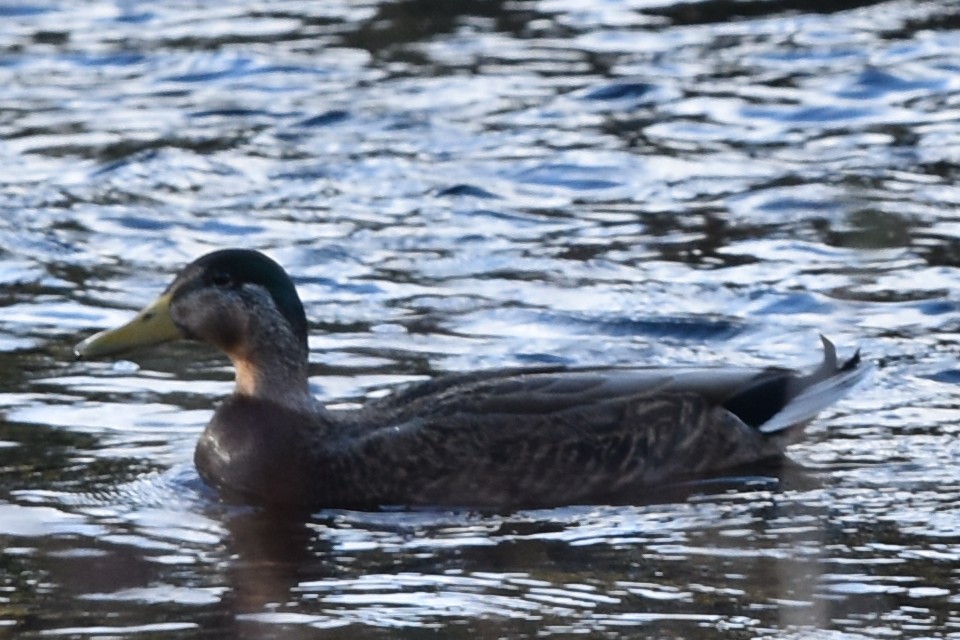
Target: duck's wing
768, 399
546, 390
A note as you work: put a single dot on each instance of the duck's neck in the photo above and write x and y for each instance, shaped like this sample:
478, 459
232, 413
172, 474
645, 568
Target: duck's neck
278, 375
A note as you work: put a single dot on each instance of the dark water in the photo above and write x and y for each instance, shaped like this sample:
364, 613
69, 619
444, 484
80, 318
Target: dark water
469, 184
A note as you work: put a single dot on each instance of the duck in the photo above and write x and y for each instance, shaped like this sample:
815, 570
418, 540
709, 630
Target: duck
520, 437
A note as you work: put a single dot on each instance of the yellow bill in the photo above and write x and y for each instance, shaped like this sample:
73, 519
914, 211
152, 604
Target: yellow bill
151, 326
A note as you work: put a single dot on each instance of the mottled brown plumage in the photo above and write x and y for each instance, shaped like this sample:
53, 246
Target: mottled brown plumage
506, 438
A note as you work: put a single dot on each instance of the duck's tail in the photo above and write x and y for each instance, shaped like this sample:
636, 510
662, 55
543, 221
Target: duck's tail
809, 395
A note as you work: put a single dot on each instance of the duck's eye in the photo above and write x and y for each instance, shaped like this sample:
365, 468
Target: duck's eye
221, 279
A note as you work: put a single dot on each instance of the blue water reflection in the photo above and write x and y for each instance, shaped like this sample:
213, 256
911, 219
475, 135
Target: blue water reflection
483, 184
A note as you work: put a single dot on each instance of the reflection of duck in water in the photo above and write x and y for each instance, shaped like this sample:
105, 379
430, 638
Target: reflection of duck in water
511, 437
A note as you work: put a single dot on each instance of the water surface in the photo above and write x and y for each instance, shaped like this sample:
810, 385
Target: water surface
483, 184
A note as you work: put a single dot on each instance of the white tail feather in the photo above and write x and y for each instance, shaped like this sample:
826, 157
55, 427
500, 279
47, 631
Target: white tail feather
815, 398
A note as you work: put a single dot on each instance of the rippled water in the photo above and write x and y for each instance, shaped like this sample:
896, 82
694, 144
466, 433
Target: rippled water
479, 184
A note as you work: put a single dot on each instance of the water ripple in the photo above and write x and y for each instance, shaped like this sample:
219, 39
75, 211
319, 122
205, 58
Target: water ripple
483, 184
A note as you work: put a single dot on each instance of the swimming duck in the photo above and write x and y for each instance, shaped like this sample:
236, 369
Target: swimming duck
520, 437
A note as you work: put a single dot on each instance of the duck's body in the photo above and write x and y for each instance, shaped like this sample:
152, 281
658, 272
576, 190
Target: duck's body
521, 437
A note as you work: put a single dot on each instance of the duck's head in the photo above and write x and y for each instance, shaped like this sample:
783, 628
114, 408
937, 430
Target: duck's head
237, 300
